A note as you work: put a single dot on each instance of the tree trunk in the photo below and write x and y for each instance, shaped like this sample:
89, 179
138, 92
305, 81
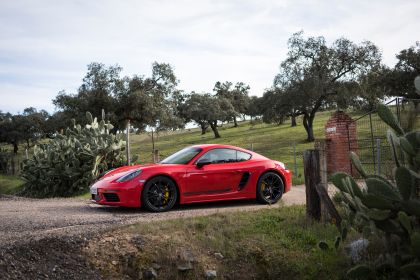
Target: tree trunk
293, 117
213, 125
308, 124
235, 122
203, 126
15, 147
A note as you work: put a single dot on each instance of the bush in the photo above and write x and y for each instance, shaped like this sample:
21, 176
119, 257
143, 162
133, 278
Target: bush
388, 210
69, 163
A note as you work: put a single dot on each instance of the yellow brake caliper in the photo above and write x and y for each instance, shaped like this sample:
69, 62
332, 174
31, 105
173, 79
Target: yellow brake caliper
166, 194
262, 187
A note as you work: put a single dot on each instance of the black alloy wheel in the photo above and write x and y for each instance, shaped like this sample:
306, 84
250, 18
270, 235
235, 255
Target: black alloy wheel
270, 188
159, 194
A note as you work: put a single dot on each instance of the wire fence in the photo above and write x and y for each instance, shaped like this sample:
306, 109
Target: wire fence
371, 144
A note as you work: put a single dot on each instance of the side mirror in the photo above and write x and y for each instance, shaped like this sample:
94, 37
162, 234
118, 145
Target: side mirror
200, 163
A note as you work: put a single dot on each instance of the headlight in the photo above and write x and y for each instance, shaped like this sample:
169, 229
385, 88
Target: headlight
280, 164
129, 176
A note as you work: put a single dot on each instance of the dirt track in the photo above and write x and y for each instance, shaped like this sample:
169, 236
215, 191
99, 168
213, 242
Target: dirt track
38, 218
43, 238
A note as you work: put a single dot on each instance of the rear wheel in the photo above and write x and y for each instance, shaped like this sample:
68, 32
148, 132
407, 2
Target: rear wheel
270, 188
159, 194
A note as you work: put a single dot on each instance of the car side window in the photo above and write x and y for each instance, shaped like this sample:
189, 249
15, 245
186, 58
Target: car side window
224, 156
242, 156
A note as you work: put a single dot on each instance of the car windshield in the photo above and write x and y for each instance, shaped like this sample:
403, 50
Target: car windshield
183, 156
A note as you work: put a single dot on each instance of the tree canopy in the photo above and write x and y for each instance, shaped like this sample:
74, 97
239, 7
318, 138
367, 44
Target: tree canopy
206, 110
312, 72
140, 101
237, 95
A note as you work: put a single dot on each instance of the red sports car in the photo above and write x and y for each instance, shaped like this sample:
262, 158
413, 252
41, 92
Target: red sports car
200, 173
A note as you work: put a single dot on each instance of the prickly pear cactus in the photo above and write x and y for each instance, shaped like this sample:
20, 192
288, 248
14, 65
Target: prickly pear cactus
387, 209
68, 164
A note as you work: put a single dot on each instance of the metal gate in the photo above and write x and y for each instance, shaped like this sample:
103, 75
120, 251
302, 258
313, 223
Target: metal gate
371, 144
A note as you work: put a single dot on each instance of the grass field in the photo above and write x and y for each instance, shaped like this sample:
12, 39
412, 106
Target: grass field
9, 184
271, 140
274, 141
278, 243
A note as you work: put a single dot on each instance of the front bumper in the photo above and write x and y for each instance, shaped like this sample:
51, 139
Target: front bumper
121, 196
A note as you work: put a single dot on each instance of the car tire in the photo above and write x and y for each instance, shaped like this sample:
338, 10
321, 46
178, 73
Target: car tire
270, 188
159, 194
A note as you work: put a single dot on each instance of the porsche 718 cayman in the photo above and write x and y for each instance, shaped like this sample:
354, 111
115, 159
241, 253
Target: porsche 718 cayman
200, 173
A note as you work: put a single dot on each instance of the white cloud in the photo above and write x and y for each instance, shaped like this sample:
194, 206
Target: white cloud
45, 45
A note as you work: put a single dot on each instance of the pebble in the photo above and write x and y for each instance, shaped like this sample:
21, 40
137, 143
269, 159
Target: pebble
210, 274
150, 274
185, 267
219, 256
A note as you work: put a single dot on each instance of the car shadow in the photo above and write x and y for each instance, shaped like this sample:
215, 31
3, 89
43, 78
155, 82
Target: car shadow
177, 208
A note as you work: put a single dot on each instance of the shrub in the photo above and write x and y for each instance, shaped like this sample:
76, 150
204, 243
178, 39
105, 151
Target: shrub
69, 163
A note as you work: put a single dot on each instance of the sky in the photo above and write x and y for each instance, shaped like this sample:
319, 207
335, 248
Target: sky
46, 45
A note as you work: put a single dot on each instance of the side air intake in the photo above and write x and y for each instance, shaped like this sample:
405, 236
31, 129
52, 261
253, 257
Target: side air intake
244, 180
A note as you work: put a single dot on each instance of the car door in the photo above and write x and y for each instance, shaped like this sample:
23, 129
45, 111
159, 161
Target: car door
219, 178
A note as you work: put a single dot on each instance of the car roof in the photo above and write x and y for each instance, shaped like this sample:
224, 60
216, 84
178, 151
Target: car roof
221, 146
208, 146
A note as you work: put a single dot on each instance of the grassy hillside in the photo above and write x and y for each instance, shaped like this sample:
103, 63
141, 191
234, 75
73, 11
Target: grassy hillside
271, 140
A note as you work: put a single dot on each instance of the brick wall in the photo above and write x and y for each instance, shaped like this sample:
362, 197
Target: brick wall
339, 129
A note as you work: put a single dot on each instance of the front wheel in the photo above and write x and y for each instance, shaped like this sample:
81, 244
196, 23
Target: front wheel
159, 194
270, 188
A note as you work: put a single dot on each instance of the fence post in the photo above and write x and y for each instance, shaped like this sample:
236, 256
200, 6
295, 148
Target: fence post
127, 144
372, 141
252, 146
156, 156
378, 156
26, 154
295, 171
312, 178
12, 161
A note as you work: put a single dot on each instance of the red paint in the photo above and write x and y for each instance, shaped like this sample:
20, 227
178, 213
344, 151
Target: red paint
214, 182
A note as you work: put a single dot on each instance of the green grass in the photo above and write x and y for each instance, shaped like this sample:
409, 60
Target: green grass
271, 140
276, 243
10, 184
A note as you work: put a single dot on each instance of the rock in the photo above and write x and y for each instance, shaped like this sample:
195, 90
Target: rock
138, 241
209, 274
156, 266
114, 262
187, 256
185, 267
219, 256
357, 249
149, 273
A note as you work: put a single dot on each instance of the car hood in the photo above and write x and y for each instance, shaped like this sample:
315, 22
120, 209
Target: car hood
121, 171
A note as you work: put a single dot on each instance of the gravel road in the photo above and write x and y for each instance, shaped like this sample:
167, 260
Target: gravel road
23, 218
43, 238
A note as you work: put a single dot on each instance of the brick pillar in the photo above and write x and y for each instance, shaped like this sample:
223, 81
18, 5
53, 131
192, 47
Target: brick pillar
341, 138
